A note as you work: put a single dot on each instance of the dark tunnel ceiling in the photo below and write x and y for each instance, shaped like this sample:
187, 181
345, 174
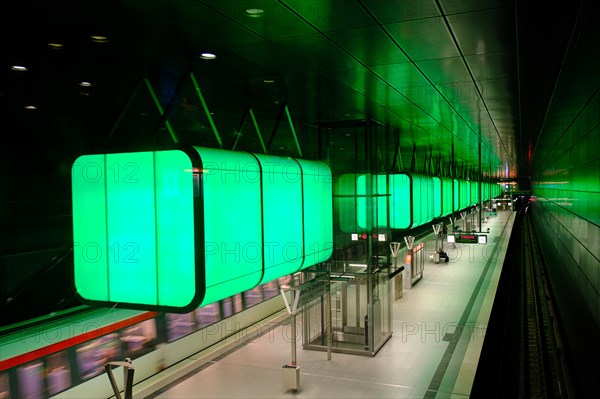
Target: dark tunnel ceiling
444, 72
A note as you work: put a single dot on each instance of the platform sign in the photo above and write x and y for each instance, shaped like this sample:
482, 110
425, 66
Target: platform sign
467, 238
303, 294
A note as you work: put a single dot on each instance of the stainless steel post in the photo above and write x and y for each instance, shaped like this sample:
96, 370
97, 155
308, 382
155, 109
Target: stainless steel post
294, 339
328, 323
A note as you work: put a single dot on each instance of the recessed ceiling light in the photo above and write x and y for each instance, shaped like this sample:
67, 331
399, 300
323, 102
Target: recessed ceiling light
269, 81
99, 38
30, 107
208, 56
85, 84
55, 46
19, 68
255, 12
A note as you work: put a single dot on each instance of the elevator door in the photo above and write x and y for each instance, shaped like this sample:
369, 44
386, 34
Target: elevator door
349, 311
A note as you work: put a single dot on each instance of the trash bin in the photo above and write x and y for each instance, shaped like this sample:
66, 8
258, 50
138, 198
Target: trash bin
291, 377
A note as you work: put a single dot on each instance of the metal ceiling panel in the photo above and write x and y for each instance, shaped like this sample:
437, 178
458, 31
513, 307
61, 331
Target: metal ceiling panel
451, 7
396, 11
331, 15
319, 51
485, 31
273, 58
424, 39
371, 46
443, 71
198, 19
268, 19
499, 65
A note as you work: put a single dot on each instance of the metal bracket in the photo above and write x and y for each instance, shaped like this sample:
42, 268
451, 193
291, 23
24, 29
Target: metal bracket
128, 371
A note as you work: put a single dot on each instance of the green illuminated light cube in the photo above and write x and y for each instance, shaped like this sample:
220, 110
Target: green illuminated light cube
465, 194
410, 197
422, 199
447, 196
357, 195
348, 202
176, 229
437, 197
456, 197
474, 187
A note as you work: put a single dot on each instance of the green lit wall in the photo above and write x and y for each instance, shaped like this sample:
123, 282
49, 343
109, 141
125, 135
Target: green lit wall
566, 186
178, 229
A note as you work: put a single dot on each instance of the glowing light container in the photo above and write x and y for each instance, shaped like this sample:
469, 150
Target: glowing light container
176, 229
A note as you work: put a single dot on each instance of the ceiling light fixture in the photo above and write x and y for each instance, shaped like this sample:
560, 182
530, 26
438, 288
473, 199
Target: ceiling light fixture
30, 107
55, 46
208, 56
85, 84
255, 12
19, 68
99, 38
269, 81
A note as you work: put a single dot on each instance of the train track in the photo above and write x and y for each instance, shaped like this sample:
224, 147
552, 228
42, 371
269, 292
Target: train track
541, 358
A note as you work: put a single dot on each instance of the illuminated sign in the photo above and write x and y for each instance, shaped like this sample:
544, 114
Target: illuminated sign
176, 229
467, 238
